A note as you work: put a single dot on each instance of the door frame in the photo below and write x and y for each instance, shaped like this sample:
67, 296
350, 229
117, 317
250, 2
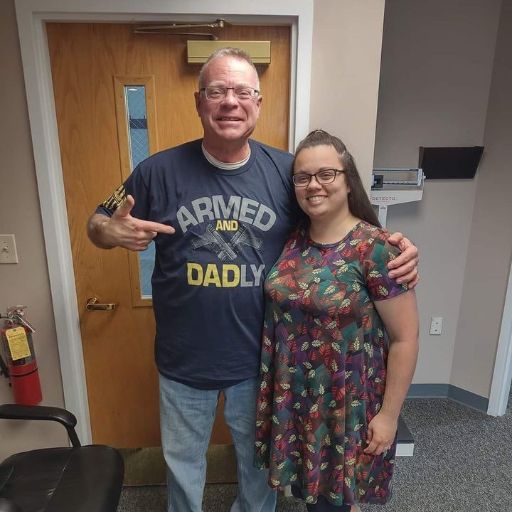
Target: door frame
502, 375
31, 17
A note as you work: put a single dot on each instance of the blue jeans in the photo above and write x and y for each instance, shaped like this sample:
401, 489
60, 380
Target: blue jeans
186, 420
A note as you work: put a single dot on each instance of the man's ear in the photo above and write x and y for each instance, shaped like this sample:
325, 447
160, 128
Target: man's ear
258, 104
197, 98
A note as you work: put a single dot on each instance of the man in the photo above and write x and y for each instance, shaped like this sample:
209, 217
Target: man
230, 203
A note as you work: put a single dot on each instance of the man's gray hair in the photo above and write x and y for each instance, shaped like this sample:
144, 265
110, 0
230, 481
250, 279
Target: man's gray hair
227, 51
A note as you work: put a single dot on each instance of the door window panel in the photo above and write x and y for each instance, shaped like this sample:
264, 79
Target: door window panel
137, 140
135, 101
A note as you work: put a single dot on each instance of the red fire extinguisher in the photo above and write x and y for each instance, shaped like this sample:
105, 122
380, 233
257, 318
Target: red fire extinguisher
17, 357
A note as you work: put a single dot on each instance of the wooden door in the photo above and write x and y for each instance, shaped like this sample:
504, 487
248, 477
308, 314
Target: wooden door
90, 62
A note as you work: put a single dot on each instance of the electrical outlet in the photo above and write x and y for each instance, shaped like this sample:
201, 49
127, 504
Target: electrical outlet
436, 325
8, 252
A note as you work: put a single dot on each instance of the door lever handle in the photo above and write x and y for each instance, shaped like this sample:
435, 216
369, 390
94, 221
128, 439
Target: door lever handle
94, 305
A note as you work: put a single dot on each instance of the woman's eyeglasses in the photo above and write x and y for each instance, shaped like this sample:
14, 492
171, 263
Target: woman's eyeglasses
325, 176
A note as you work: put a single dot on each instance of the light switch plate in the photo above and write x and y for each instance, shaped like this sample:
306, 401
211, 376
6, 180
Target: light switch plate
436, 325
8, 252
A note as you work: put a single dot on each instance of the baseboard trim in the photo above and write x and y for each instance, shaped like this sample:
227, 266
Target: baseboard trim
461, 396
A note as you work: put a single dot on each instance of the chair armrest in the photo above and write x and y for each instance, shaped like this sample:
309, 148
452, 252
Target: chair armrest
40, 412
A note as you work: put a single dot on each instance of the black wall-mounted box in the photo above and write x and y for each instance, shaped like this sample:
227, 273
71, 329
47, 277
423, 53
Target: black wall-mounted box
450, 163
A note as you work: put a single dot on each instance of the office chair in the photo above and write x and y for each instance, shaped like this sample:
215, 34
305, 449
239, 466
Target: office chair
69, 479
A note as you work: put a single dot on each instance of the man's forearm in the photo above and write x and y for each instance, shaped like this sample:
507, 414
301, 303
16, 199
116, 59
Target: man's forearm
96, 231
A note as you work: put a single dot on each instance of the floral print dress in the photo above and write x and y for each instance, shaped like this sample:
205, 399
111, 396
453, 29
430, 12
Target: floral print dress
323, 368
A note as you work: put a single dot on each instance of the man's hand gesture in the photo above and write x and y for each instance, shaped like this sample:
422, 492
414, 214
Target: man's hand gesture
123, 230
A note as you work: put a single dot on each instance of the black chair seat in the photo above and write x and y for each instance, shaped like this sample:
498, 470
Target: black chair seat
68, 479
83, 479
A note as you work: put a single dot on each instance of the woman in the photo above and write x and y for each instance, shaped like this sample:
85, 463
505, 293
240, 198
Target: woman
340, 342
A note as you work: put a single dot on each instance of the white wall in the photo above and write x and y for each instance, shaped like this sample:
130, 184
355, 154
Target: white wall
490, 243
437, 62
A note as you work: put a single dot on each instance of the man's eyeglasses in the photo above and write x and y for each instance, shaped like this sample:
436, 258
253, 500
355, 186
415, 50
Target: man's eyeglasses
325, 176
214, 93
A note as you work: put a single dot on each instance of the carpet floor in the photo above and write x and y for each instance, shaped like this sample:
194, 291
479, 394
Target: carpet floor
462, 462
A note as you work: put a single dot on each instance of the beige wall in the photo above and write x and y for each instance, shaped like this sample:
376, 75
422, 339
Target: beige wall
347, 38
490, 243
436, 74
27, 282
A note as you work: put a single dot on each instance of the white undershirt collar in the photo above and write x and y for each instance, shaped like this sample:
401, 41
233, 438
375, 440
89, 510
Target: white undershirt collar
223, 165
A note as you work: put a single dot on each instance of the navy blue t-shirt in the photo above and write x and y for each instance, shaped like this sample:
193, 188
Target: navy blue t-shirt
231, 226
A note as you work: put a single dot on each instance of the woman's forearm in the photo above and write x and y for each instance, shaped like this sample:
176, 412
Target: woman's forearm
400, 369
